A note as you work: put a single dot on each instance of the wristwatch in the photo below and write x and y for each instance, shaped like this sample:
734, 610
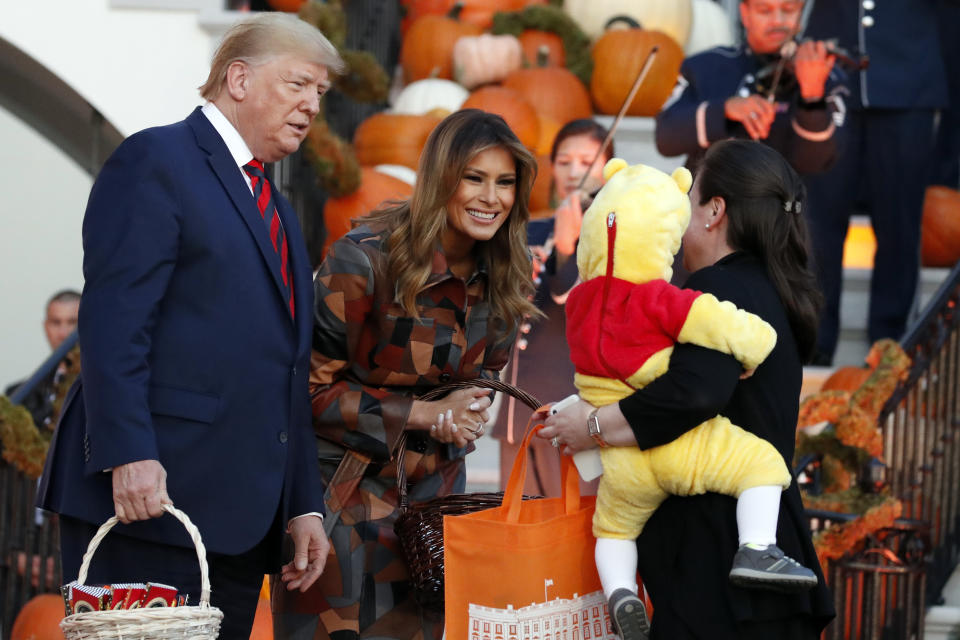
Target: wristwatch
593, 428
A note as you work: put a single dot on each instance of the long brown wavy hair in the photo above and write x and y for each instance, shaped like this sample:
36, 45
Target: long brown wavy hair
417, 225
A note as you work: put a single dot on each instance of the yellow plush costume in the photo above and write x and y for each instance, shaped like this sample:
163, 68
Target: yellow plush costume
622, 322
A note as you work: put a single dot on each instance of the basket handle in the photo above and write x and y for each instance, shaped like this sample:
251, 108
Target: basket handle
438, 392
194, 536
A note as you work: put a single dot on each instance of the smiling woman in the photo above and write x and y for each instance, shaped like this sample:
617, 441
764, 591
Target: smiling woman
422, 293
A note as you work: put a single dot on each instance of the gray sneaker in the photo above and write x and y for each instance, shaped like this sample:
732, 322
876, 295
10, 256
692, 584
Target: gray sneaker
770, 568
629, 615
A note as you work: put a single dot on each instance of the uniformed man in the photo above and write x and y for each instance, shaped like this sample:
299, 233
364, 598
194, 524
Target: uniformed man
889, 143
793, 102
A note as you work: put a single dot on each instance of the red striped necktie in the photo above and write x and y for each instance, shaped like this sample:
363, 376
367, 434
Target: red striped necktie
263, 194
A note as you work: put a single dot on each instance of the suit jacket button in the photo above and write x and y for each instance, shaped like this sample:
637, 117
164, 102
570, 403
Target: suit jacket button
283, 437
444, 377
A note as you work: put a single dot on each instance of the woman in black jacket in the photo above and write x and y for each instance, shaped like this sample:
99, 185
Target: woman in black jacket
746, 243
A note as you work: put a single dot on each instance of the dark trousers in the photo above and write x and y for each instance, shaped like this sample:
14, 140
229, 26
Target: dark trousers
235, 580
884, 166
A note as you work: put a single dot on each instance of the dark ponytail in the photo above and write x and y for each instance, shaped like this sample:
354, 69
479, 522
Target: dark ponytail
764, 199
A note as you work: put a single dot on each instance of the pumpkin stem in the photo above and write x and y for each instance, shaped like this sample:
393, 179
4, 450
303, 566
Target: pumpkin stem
543, 56
627, 20
455, 11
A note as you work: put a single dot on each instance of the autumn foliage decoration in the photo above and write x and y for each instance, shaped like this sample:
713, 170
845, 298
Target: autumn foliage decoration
849, 439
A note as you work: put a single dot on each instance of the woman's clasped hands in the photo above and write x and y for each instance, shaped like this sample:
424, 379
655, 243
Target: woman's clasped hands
460, 417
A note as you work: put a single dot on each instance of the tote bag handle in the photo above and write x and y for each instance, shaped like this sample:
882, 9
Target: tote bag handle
513, 495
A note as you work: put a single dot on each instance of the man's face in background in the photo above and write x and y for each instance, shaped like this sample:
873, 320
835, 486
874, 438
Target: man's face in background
60, 321
769, 23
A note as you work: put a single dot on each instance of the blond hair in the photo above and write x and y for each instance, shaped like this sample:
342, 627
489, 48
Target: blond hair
418, 224
267, 35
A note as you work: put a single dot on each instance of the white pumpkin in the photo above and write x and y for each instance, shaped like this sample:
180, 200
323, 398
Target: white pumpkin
712, 27
673, 17
399, 172
423, 96
483, 59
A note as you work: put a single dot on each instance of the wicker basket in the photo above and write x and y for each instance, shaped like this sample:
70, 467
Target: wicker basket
419, 526
201, 622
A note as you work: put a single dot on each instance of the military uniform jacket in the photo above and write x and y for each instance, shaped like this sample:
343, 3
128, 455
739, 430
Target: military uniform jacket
693, 118
906, 68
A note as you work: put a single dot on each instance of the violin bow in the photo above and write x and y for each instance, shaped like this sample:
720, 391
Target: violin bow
623, 110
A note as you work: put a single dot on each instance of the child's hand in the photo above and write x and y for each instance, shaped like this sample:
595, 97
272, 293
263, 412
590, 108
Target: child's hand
746, 374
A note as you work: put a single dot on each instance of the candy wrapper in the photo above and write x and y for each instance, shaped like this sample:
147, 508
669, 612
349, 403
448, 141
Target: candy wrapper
83, 598
160, 595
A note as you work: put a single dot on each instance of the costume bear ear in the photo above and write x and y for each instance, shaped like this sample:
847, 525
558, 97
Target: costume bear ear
613, 165
683, 178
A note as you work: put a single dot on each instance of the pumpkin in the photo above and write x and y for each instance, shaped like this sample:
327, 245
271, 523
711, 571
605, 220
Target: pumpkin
672, 17
847, 379
542, 191
618, 57
711, 27
392, 138
262, 621
285, 5
423, 96
375, 188
427, 49
540, 45
485, 58
476, 12
512, 107
39, 619
941, 227
556, 95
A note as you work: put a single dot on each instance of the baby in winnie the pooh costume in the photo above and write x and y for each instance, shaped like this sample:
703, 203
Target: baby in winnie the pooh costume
622, 323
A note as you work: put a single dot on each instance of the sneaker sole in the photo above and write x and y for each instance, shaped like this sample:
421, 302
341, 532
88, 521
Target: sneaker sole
753, 579
630, 620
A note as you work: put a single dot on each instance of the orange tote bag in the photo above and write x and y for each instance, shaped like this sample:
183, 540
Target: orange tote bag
525, 569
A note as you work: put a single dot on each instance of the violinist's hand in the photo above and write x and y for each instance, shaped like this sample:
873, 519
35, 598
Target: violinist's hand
812, 66
754, 112
568, 218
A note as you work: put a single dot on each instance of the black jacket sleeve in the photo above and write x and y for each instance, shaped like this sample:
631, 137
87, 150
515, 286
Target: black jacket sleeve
697, 386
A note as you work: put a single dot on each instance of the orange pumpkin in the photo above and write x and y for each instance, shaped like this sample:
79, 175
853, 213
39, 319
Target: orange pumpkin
39, 619
476, 12
512, 107
535, 43
392, 138
375, 188
618, 55
941, 227
542, 186
847, 379
285, 5
427, 49
262, 622
556, 95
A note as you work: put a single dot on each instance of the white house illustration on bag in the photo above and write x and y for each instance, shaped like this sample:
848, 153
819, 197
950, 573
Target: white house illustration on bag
579, 618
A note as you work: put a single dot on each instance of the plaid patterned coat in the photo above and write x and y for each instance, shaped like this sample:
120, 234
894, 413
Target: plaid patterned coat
369, 359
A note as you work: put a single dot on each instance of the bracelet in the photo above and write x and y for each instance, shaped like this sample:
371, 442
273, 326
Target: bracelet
593, 428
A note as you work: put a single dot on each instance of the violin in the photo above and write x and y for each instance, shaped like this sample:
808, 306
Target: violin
777, 79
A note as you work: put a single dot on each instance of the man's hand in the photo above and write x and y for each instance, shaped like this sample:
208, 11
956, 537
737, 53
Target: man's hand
139, 490
311, 549
812, 66
754, 112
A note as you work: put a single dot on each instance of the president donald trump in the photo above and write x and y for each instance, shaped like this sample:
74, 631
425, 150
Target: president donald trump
195, 340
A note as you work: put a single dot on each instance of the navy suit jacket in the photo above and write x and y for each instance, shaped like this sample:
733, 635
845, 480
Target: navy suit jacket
189, 353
